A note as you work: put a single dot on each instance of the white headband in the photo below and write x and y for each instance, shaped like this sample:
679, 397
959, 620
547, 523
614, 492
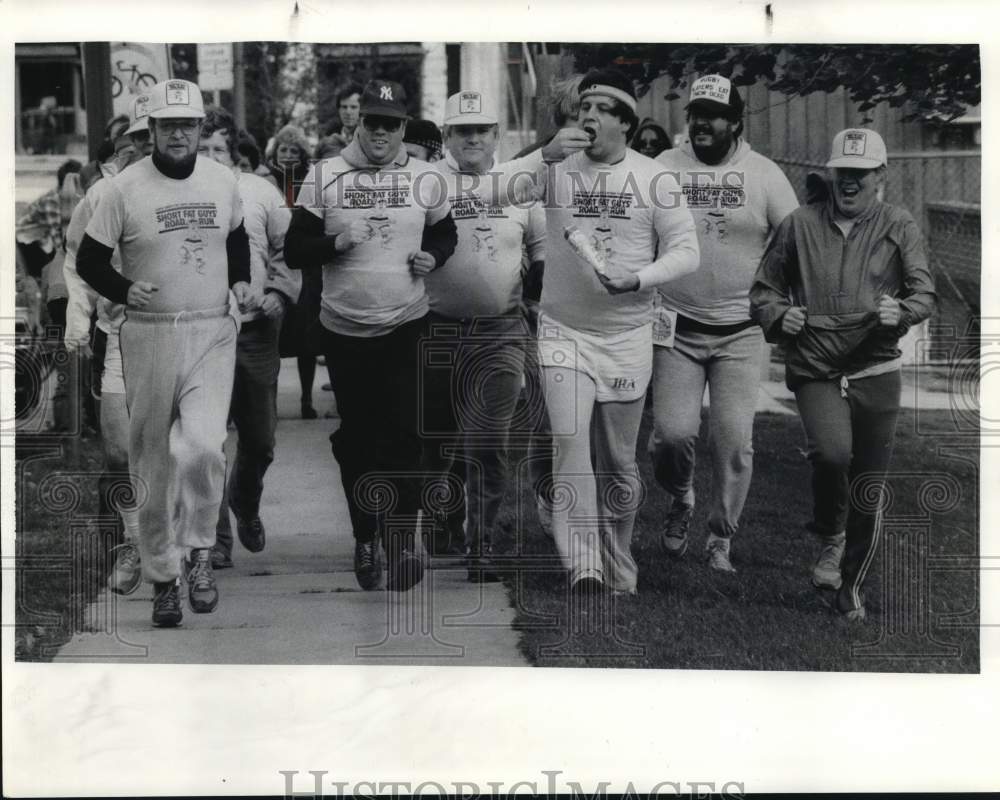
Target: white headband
610, 91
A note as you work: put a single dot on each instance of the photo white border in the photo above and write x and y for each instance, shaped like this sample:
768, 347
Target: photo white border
117, 730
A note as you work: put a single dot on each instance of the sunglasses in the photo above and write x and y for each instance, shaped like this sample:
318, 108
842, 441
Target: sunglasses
389, 124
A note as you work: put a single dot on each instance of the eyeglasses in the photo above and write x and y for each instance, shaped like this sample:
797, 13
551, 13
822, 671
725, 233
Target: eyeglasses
186, 126
389, 124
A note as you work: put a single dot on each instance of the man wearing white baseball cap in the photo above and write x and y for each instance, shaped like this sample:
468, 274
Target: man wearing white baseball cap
177, 221
737, 198
475, 301
841, 281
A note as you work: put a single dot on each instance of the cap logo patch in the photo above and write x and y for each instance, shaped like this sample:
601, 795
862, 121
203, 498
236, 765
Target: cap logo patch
711, 87
854, 143
470, 103
385, 93
142, 106
177, 93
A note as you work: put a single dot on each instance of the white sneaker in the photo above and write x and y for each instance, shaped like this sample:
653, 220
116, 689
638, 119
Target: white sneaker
717, 549
826, 572
126, 575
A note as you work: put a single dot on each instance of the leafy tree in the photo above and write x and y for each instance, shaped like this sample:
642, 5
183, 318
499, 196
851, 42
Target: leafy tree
929, 81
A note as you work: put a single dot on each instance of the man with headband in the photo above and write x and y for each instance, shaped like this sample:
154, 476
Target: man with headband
595, 328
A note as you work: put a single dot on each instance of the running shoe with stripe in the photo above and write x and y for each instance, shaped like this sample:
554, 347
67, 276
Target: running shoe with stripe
203, 595
126, 574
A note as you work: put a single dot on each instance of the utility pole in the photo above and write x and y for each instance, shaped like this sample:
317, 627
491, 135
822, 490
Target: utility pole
239, 86
97, 91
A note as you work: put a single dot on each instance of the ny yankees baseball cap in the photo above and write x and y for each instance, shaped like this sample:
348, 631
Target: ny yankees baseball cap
138, 114
717, 95
176, 99
859, 148
384, 99
470, 108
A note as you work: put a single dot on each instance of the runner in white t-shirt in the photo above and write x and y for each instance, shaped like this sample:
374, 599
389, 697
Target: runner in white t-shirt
595, 331
253, 408
378, 221
177, 222
126, 574
479, 328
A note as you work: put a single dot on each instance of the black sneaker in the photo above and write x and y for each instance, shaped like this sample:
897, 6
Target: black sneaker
674, 538
406, 568
368, 564
167, 604
250, 532
203, 596
481, 567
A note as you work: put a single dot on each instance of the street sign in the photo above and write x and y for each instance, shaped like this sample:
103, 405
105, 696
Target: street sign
135, 68
215, 66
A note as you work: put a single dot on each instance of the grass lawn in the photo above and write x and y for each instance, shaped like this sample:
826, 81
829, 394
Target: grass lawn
60, 545
768, 616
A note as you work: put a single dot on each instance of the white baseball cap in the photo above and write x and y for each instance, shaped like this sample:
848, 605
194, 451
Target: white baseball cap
470, 108
857, 148
176, 99
138, 114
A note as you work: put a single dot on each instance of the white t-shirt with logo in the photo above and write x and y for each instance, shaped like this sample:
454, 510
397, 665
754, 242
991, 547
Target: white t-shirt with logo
370, 290
483, 277
171, 232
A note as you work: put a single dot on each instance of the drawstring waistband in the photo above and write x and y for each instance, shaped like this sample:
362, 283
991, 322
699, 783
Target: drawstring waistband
134, 315
869, 372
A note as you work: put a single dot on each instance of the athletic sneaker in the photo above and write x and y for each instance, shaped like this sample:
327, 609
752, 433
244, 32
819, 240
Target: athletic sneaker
405, 567
674, 539
851, 613
481, 567
167, 604
588, 583
717, 548
126, 575
221, 559
203, 596
251, 532
367, 564
826, 572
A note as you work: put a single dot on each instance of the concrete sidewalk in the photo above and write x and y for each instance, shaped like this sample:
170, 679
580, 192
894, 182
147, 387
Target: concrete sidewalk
297, 602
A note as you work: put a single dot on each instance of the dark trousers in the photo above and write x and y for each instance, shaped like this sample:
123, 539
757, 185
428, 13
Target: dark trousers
471, 381
850, 446
253, 409
378, 447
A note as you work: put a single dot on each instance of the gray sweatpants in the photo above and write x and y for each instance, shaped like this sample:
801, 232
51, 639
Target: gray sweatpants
178, 372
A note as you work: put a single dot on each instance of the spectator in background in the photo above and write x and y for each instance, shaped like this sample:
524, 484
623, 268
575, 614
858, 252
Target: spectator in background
349, 110
290, 161
250, 162
330, 146
340, 132
39, 231
423, 140
650, 140
563, 107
